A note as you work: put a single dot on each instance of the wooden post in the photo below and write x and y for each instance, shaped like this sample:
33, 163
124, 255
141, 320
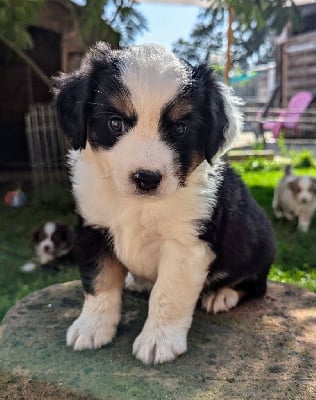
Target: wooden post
230, 38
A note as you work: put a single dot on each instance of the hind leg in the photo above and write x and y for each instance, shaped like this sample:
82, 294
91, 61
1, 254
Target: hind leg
229, 296
221, 300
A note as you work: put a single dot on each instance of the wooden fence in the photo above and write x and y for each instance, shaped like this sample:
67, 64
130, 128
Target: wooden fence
298, 65
47, 147
306, 127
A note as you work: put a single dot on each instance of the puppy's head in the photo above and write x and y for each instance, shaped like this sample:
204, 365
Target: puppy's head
303, 189
51, 240
148, 118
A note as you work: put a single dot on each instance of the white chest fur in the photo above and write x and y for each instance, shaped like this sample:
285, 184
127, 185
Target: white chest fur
140, 227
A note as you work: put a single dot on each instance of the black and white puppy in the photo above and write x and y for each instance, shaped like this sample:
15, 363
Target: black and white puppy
148, 131
295, 198
52, 240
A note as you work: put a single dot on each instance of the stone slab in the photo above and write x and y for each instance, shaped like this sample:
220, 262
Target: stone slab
263, 349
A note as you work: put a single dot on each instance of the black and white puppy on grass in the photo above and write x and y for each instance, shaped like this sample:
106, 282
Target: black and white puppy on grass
53, 243
155, 198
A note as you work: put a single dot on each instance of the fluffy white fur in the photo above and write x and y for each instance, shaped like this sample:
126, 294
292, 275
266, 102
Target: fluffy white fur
96, 325
161, 231
158, 230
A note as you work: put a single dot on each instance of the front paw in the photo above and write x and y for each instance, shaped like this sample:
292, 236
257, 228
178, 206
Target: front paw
90, 332
303, 226
156, 345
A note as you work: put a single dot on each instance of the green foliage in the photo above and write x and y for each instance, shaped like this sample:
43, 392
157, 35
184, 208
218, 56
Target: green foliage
115, 21
302, 159
15, 17
282, 147
257, 164
254, 30
299, 159
206, 37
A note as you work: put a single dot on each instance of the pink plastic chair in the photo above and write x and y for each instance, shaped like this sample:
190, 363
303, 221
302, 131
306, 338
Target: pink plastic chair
289, 118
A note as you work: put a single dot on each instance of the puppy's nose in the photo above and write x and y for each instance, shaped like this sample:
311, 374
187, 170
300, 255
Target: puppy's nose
146, 180
47, 248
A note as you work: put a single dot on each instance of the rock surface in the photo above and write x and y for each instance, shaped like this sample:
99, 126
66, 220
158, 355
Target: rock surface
263, 349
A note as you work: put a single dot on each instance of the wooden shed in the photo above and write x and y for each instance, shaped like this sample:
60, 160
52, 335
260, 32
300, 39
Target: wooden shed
57, 46
296, 54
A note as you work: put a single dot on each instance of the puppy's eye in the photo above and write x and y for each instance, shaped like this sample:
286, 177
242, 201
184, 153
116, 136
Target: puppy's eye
181, 129
116, 124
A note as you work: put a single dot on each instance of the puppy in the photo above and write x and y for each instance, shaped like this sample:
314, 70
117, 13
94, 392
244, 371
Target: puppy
52, 240
295, 197
148, 131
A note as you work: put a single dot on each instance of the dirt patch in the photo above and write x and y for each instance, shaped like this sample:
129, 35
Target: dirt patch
22, 388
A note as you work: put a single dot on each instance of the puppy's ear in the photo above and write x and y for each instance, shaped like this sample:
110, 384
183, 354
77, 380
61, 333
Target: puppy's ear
222, 111
288, 170
294, 186
71, 92
36, 234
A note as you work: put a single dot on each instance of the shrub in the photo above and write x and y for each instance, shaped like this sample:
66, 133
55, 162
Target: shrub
257, 164
302, 159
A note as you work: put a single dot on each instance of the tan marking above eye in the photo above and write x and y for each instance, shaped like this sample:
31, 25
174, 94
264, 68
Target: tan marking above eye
122, 103
180, 109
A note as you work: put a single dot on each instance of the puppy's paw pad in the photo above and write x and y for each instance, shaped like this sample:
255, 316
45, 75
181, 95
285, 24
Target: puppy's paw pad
90, 333
222, 300
159, 346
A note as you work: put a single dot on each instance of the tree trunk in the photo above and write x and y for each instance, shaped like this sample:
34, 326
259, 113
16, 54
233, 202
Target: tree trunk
231, 15
34, 67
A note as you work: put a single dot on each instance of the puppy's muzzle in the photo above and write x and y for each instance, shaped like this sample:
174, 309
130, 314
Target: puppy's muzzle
145, 180
48, 249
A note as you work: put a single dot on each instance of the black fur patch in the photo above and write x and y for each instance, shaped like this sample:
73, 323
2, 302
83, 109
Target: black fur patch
86, 99
204, 117
90, 245
242, 238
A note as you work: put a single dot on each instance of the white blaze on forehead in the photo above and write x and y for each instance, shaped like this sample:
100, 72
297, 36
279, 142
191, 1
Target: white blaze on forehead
304, 182
153, 76
49, 228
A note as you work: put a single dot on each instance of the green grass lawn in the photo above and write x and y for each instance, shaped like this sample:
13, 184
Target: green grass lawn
16, 245
295, 261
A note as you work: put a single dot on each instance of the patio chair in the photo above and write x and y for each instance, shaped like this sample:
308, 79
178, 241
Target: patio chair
289, 117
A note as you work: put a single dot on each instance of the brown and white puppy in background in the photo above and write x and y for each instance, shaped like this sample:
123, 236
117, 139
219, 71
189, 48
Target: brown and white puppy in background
295, 197
53, 241
155, 199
